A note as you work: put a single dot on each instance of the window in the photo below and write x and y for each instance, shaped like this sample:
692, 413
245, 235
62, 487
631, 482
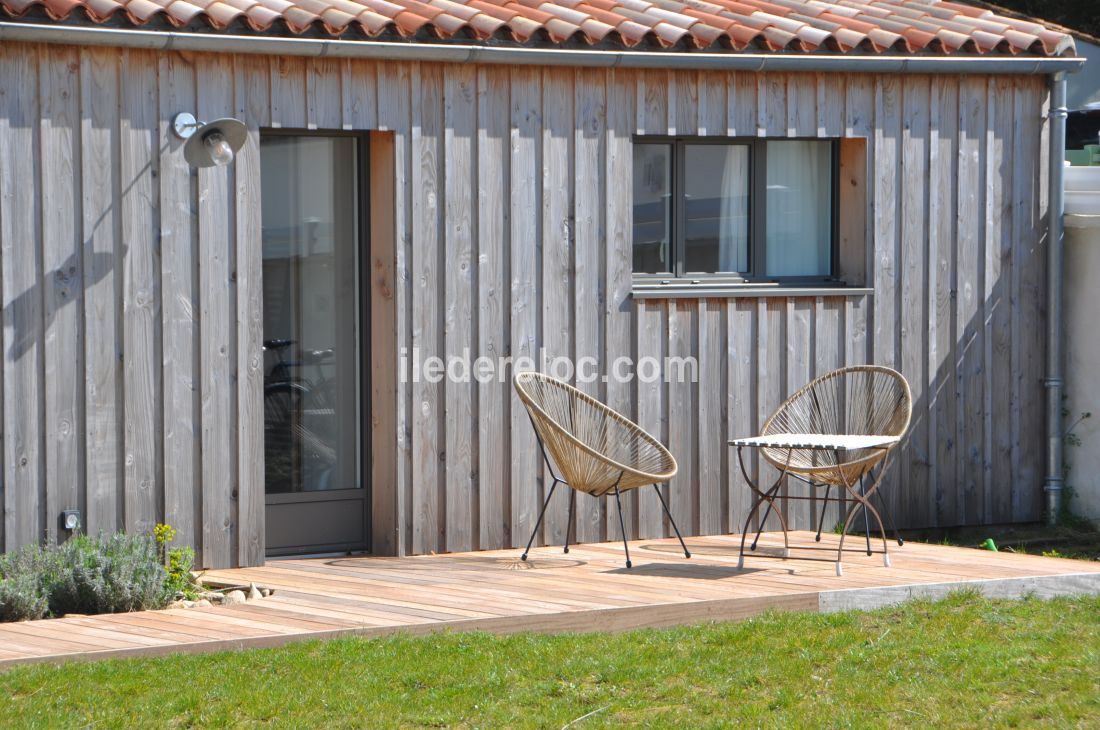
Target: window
739, 210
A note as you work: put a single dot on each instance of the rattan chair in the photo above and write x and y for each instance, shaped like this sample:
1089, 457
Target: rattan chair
854, 402
598, 451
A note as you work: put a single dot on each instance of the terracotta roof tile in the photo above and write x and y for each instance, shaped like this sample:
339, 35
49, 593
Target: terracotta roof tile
796, 26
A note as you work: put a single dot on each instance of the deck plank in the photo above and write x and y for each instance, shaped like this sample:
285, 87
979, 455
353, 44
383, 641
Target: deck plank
589, 589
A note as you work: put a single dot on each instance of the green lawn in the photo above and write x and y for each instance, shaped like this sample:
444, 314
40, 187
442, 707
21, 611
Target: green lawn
963, 662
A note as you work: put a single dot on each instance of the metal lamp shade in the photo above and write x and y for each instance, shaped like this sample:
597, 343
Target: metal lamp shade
196, 152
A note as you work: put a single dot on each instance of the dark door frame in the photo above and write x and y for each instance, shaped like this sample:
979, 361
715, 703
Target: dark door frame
363, 293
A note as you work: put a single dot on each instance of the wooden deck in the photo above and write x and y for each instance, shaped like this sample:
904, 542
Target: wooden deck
588, 589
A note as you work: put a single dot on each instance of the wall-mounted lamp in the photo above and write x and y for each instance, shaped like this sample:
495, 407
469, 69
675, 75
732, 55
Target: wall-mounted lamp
209, 144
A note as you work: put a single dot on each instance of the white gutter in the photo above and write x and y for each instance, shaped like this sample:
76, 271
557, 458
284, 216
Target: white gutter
212, 42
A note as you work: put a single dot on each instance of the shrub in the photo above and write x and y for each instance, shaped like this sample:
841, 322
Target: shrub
94, 575
180, 561
23, 578
22, 599
106, 575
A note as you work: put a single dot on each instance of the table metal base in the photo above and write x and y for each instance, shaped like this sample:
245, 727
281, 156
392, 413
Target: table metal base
860, 497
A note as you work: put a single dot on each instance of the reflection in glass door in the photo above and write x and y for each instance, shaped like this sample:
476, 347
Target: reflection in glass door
313, 390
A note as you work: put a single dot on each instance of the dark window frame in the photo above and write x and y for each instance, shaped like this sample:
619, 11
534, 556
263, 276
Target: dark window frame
365, 442
757, 253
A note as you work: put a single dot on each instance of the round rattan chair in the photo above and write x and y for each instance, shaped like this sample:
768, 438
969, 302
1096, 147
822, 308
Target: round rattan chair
867, 400
863, 400
598, 451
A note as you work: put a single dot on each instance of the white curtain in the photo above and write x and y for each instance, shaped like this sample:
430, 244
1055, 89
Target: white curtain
733, 229
799, 208
717, 195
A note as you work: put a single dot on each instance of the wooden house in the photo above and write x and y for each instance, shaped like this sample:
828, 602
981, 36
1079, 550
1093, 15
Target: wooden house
774, 188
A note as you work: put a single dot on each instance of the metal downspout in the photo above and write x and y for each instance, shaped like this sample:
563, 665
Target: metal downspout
1054, 483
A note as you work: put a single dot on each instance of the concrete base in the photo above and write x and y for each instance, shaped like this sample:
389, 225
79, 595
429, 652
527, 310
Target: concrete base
1047, 586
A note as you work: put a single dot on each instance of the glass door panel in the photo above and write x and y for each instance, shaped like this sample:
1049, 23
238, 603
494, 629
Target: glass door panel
312, 330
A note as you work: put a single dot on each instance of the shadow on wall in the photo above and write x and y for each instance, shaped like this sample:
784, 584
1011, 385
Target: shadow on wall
69, 280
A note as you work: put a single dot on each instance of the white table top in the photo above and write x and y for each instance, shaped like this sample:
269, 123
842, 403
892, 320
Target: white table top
821, 441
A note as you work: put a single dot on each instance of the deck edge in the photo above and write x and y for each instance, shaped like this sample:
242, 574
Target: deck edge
1038, 586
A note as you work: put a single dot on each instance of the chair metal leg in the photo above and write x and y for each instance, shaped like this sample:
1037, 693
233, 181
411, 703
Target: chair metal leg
890, 520
821, 519
572, 516
622, 525
661, 497
866, 520
538, 522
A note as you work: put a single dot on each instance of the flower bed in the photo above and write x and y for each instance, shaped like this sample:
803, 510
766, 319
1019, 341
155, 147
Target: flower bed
105, 574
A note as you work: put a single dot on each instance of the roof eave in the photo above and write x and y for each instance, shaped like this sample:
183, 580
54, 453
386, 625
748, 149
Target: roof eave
166, 40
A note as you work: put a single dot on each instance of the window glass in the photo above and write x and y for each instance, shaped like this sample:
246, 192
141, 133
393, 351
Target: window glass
716, 208
310, 233
799, 208
652, 208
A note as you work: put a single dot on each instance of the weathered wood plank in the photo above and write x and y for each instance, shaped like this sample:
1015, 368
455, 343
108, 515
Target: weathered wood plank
682, 492
802, 105
741, 338
999, 301
914, 497
772, 378
828, 313
394, 115
459, 312
711, 477
831, 93
887, 243
859, 105
288, 92
142, 418
619, 308
179, 309
943, 167
713, 104
970, 479
772, 108
63, 280
427, 336
653, 103
359, 95
741, 112
492, 298
217, 335
589, 153
20, 232
556, 294
799, 355
683, 102
252, 102
323, 82
1031, 257
526, 168
652, 404
99, 94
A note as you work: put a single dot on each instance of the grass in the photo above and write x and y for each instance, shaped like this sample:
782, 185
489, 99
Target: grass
961, 662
